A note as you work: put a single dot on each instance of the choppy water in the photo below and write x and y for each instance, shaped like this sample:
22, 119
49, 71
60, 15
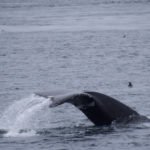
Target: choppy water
97, 45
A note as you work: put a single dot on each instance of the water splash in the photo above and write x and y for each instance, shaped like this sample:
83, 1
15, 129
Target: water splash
28, 116
23, 117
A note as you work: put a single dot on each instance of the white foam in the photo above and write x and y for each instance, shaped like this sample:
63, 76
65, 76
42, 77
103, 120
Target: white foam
17, 133
23, 116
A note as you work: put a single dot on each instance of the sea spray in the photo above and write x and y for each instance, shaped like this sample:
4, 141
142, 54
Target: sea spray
23, 117
28, 116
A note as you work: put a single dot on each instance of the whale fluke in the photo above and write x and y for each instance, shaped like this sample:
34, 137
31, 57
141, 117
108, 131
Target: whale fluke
99, 108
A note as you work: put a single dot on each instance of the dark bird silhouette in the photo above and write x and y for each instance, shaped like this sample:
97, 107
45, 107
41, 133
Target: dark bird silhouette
130, 84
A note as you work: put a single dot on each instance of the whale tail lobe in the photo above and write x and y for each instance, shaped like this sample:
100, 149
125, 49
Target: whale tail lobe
99, 108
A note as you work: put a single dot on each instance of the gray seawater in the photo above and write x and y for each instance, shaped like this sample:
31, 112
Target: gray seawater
97, 45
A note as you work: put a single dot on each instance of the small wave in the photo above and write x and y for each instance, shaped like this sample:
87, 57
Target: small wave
60, 3
18, 133
21, 133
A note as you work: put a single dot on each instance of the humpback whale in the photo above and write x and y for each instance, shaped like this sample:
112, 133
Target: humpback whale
99, 108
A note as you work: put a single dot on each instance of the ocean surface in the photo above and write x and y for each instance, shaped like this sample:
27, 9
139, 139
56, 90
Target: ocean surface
95, 45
